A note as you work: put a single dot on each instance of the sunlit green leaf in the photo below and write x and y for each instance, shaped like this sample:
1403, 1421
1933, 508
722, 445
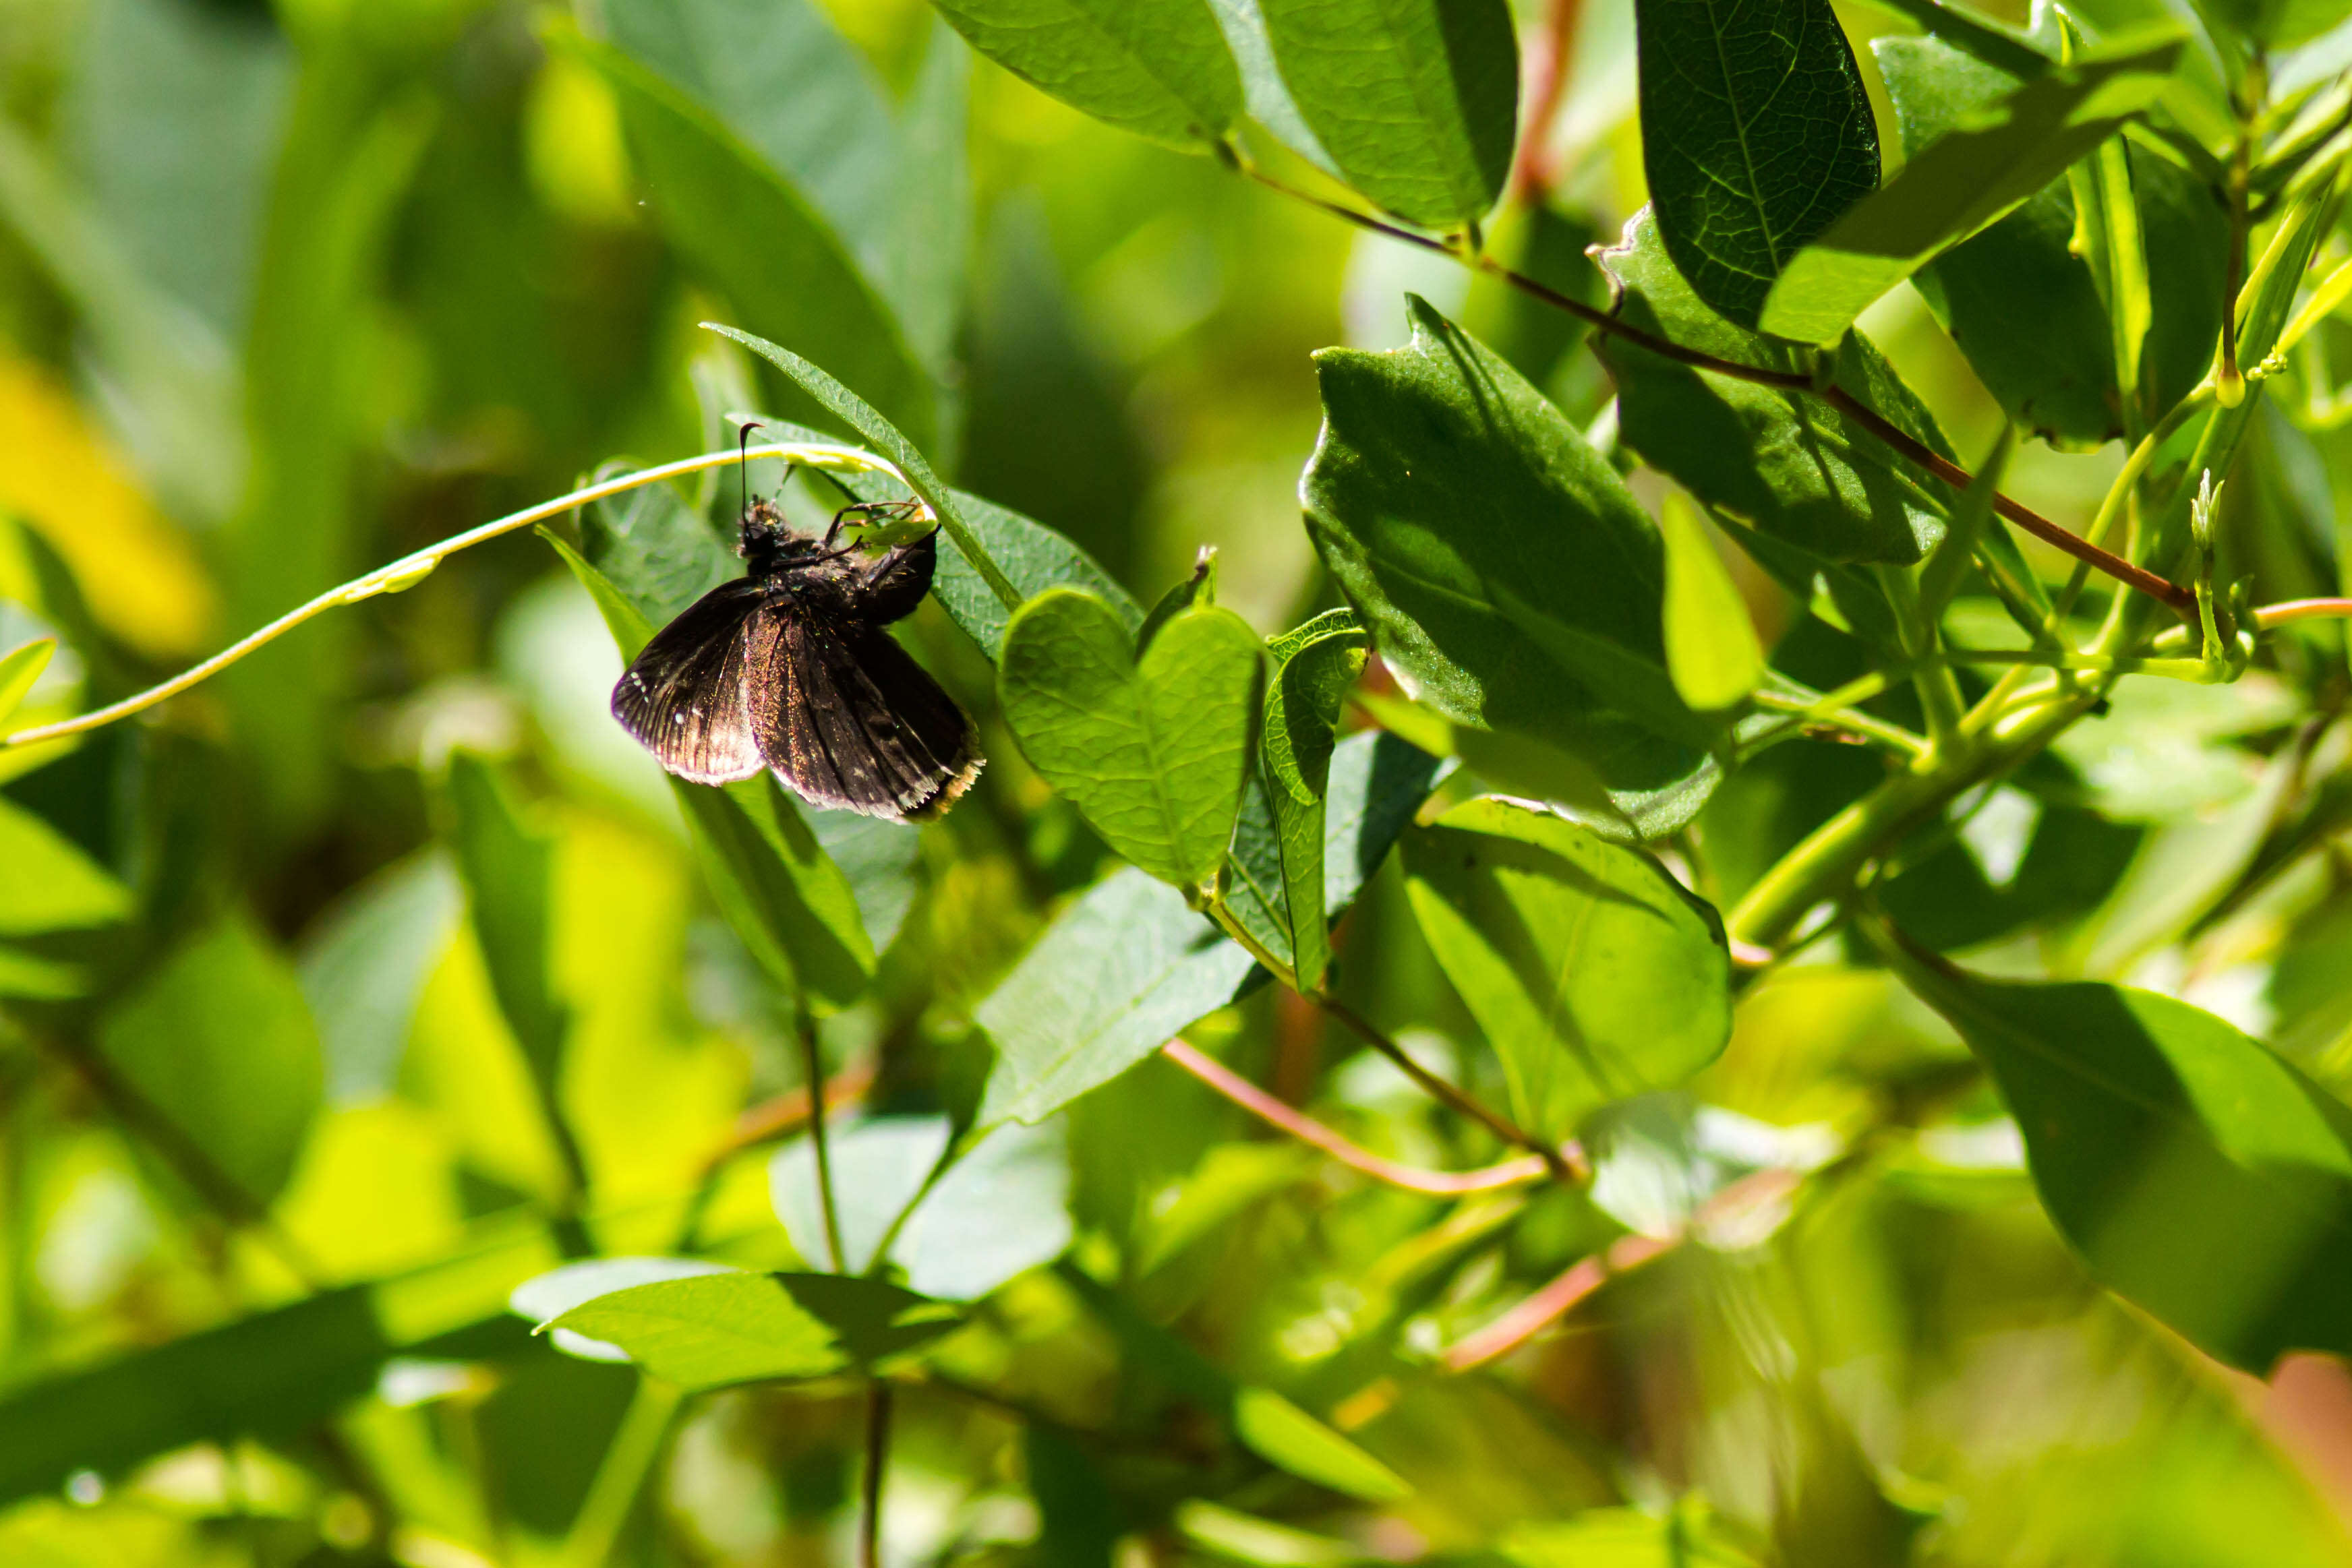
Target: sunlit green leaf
1964, 180
1415, 100
1154, 751
1593, 973
1757, 136
2195, 1172
1314, 667
220, 1042
19, 668
49, 884
712, 1330
1123, 969
365, 964
1711, 647
1157, 68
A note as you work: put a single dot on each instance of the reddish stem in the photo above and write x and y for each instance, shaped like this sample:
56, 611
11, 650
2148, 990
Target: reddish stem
1274, 1113
1552, 59
2269, 615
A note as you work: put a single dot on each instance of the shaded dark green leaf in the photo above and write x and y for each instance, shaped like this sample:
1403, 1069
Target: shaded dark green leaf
1504, 570
2195, 1172
1756, 136
1784, 463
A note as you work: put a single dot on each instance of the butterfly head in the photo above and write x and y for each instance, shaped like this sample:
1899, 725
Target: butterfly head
767, 541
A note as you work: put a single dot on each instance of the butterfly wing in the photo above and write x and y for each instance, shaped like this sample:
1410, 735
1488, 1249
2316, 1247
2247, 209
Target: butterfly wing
850, 721
684, 699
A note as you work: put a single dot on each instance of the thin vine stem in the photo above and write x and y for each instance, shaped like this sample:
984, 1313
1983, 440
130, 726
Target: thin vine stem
1314, 1133
413, 568
2181, 599
877, 1460
812, 1071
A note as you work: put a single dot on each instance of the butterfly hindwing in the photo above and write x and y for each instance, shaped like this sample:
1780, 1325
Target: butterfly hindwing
859, 726
684, 699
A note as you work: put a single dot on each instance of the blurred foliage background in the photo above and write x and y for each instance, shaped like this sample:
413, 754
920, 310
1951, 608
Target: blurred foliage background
288, 290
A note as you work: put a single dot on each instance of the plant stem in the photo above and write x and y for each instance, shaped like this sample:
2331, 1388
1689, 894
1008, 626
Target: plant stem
1829, 711
877, 1456
414, 568
2269, 615
2179, 599
813, 1069
1306, 1130
621, 1475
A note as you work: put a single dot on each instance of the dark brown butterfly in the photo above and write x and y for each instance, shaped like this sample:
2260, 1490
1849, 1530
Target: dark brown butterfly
789, 669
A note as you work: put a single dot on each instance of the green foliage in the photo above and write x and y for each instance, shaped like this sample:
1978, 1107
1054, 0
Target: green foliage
1153, 748
1415, 101
1757, 136
1608, 958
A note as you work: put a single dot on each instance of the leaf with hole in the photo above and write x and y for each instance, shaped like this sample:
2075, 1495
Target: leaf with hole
1154, 752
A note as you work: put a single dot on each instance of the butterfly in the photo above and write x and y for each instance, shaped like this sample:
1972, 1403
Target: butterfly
788, 668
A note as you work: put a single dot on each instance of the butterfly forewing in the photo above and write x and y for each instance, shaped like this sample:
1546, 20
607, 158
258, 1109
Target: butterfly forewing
684, 698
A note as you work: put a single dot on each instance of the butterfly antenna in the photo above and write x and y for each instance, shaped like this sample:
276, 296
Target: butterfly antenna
743, 465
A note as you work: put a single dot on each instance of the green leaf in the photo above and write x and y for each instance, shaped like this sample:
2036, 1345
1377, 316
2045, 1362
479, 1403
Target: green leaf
1314, 667
1785, 464
1504, 572
885, 439
1118, 973
1245, 1538
712, 1330
47, 884
2195, 1172
1033, 558
2277, 23
759, 241
220, 1042
1153, 752
1000, 1209
1377, 781
653, 548
1417, 101
1267, 1424
1594, 973
769, 874
1940, 578
1971, 34
1269, 100
880, 1165
1711, 647
1278, 1431
1964, 180
365, 964
509, 870
2020, 304
1756, 137
19, 668
1157, 68
274, 1375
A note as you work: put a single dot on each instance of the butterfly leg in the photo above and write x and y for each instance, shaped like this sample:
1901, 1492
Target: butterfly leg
891, 509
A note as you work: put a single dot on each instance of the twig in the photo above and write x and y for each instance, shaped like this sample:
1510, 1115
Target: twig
813, 1067
1520, 1323
788, 1112
1306, 1130
1563, 1165
878, 1455
412, 569
2269, 615
2179, 598
1552, 59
